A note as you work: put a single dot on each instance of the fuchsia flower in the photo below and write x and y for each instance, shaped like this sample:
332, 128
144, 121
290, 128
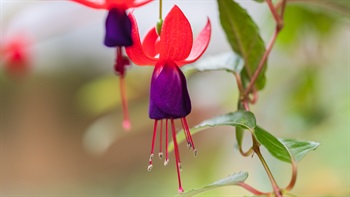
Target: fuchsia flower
169, 98
118, 26
118, 34
14, 54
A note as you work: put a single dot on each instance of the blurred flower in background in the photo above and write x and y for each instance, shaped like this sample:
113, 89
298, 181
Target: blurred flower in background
15, 56
60, 126
118, 34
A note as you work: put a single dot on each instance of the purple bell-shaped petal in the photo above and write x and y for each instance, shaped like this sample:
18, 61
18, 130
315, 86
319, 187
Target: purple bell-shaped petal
118, 29
169, 98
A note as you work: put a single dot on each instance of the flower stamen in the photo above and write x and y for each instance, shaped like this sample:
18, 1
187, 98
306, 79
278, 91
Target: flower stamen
150, 166
189, 144
187, 130
166, 143
160, 154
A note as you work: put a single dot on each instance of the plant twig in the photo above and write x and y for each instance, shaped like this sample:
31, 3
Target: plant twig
251, 189
279, 26
239, 82
294, 176
247, 153
256, 147
261, 64
276, 16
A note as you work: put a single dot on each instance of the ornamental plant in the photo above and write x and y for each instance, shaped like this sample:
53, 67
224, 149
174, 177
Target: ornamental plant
167, 50
169, 46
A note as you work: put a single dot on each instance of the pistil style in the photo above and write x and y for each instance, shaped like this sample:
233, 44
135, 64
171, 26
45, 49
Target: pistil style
177, 156
121, 63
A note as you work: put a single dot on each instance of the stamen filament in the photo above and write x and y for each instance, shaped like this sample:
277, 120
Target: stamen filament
177, 156
190, 137
189, 145
161, 140
166, 143
152, 148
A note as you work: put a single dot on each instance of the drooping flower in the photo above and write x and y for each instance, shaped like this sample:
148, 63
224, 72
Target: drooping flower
117, 34
118, 25
14, 54
169, 98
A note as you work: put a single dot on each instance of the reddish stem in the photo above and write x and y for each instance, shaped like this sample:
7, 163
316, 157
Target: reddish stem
279, 26
275, 14
294, 176
261, 64
251, 189
239, 82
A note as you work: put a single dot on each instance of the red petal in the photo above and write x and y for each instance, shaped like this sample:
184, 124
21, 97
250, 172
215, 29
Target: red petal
150, 43
176, 36
199, 46
135, 51
91, 4
137, 3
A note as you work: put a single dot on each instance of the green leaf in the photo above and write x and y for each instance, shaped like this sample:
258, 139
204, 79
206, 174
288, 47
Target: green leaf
260, 1
273, 145
299, 148
229, 62
239, 136
232, 180
240, 118
244, 38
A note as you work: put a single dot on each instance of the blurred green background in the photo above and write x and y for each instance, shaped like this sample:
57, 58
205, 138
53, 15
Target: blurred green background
61, 130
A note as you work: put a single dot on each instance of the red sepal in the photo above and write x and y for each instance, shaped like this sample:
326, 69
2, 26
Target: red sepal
176, 36
135, 52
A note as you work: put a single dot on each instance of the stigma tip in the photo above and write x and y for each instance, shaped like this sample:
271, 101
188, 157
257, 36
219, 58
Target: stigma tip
126, 125
181, 190
160, 155
195, 152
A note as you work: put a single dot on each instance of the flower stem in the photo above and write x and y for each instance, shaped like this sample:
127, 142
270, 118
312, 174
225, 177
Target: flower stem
239, 83
261, 64
251, 189
160, 9
256, 148
279, 20
247, 153
294, 176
